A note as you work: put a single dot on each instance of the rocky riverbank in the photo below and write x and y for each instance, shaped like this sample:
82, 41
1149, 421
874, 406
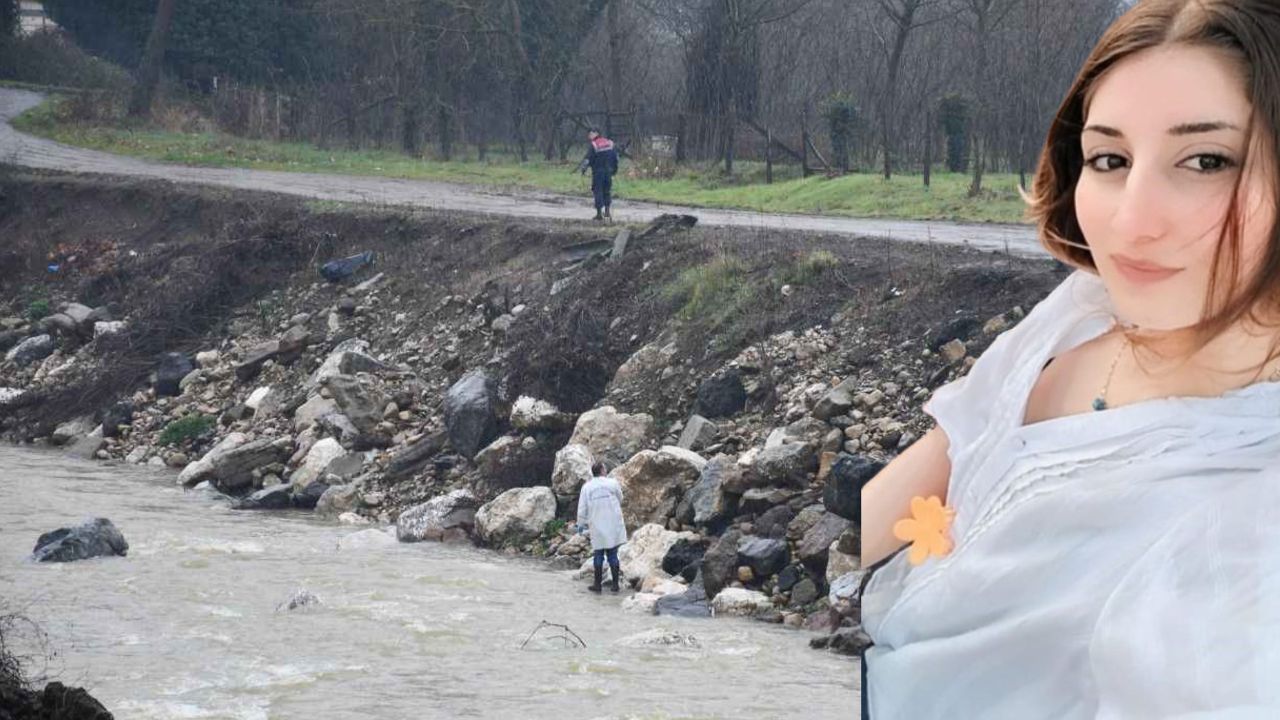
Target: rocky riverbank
742, 386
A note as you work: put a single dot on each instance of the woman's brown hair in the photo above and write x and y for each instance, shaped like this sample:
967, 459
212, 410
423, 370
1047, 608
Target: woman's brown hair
1247, 32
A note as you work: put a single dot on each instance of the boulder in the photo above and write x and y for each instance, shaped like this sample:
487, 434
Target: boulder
359, 399
276, 497
721, 395
338, 499
814, 547
774, 522
698, 433
202, 470
96, 537
571, 470
787, 464
72, 430
413, 457
530, 414
654, 481
741, 602
515, 517
470, 413
690, 603
720, 563
645, 550
348, 358
430, 520
313, 465
311, 411
173, 368
308, 497
758, 500
512, 461
837, 402
765, 556
613, 436
233, 469
684, 558
707, 504
255, 358
842, 491
115, 416
30, 350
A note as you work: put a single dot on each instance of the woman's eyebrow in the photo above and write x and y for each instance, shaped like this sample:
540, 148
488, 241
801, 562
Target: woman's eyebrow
1194, 128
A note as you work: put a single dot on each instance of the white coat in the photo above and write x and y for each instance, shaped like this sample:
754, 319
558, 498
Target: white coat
600, 509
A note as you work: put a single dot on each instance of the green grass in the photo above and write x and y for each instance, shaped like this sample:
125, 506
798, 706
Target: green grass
855, 195
188, 427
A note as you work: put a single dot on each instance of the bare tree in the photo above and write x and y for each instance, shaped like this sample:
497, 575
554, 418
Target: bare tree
152, 60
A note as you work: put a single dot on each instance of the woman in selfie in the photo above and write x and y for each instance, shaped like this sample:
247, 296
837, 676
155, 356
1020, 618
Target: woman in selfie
1105, 536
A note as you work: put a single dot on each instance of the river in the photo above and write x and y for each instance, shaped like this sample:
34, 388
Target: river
189, 625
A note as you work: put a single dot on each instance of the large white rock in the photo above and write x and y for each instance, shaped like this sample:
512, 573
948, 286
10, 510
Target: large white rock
654, 481
310, 412
572, 470
368, 539
643, 553
202, 469
318, 458
431, 519
515, 517
532, 414
612, 435
740, 601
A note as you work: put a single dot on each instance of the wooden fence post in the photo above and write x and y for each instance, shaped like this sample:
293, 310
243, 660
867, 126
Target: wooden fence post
768, 157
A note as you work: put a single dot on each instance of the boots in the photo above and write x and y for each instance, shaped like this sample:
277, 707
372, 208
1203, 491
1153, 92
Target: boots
599, 216
595, 586
608, 216
616, 573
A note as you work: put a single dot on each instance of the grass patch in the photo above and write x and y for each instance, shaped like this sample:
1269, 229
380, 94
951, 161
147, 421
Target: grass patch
854, 195
38, 309
190, 427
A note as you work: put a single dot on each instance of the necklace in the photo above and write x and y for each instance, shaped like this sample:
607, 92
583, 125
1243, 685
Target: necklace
1100, 402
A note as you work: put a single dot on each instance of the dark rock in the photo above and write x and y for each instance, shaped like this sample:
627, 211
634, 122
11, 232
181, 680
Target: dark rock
55, 702
413, 457
804, 592
470, 413
10, 338
721, 395
292, 343
837, 402
347, 306
92, 538
758, 500
120, 413
684, 558
849, 641
235, 414
960, 327
276, 497
765, 556
788, 578
306, 498
255, 358
173, 367
511, 462
233, 469
813, 549
773, 522
720, 563
690, 603
843, 490
707, 504
31, 350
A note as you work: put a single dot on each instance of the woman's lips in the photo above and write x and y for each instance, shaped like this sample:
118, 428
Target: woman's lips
1142, 273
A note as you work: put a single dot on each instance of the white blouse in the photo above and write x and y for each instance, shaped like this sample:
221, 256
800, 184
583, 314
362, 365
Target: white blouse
1113, 564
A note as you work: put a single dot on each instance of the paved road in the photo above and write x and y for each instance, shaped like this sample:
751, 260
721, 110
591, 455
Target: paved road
24, 150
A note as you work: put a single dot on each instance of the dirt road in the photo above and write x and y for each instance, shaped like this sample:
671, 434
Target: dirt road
24, 150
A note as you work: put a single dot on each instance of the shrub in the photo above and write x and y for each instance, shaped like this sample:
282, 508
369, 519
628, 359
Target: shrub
190, 427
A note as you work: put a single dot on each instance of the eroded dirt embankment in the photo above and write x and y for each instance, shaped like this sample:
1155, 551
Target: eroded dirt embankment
755, 377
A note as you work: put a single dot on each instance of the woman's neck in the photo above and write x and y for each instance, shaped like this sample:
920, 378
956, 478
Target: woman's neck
1240, 356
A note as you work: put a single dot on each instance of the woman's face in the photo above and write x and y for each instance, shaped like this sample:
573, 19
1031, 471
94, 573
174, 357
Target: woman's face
1164, 141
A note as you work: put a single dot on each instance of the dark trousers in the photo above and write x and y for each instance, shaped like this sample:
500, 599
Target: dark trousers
602, 189
598, 557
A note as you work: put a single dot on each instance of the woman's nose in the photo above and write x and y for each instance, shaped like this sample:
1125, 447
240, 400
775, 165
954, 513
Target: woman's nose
1146, 206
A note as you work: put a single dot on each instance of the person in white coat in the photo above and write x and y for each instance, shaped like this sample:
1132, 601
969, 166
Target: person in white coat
600, 512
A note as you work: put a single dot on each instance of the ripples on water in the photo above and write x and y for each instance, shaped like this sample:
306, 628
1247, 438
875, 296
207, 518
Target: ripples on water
187, 625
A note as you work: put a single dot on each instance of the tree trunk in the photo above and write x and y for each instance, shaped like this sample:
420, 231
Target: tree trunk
613, 95
152, 60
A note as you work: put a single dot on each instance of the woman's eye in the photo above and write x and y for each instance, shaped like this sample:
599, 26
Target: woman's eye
1106, 162
1208, 163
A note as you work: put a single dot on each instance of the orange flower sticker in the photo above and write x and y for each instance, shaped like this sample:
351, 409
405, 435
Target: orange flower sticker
928, 529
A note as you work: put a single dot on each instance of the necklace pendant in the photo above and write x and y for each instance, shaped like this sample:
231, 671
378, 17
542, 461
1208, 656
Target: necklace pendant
1099, 404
